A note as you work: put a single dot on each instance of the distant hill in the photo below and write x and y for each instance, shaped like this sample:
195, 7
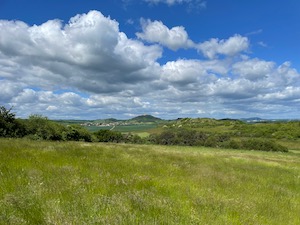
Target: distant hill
145, 119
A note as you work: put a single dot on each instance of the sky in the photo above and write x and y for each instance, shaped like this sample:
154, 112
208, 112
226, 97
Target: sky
96, 59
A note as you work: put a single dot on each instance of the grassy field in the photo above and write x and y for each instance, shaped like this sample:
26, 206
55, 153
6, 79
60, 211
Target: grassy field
94, 183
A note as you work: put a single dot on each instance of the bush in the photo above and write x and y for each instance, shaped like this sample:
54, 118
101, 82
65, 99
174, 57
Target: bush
263, 145
109, 136
77, 133
8, 123
166, 138
40, 128
133, 138
232, 144
198, 138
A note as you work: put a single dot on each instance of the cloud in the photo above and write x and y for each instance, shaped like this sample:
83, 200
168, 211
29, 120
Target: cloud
9, 89
230, 47
88, 53
177, 38
192, 72
87, 69
157, 32
253, 69
262, 44
255, 32
26, 96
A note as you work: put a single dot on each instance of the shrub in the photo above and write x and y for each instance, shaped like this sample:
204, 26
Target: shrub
109, 136
211, 141
77, 133
263, 145
133, 138
40, 128
8, 123
167, 137
231, 144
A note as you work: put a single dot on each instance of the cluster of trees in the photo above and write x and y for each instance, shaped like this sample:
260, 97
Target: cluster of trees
9, 126
38, 127
190, 137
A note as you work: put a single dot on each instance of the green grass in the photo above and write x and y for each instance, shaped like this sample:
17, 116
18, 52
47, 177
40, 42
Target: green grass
292, 145
92, 183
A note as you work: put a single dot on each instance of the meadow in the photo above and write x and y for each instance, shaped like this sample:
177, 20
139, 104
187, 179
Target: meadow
107, 183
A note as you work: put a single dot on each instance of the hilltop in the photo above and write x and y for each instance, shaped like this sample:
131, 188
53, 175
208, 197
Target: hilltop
145, 119
137, 119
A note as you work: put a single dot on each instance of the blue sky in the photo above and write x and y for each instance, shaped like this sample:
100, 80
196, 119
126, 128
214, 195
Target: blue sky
169, 58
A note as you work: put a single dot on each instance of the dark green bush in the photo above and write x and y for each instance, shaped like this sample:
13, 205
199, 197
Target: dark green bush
77, 133
109, 136
40, 128
167, 137
9, 125
199, 138
133, 138
211, 141
263, 145
232, 144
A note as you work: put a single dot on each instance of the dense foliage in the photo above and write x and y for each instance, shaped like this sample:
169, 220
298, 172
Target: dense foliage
187, 137
9, 125
38, 127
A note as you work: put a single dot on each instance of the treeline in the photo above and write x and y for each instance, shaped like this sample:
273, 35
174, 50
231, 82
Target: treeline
187, 137
38, 127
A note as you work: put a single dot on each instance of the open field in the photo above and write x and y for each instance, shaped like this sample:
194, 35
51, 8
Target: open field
94, 183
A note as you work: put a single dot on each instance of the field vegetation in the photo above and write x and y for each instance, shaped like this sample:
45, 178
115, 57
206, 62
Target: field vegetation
230, 134
46, 182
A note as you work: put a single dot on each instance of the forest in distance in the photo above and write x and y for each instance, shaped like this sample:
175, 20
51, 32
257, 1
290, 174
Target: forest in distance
249, 134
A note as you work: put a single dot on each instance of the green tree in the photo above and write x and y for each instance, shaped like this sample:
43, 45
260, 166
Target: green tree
40, 128
77, 133
263, 145
109, 136
9, 125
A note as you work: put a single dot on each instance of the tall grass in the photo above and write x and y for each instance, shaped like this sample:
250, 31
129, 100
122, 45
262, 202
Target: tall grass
91, 183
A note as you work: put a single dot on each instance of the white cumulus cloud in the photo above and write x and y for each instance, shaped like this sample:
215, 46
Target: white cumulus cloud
157, 32
88, 53
229, 47
88, 68
253, 69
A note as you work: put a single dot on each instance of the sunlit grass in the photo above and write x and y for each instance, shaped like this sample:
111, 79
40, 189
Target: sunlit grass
90, 183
